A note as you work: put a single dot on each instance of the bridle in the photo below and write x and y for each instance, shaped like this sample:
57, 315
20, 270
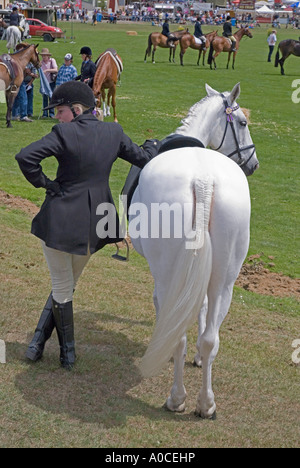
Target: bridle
239, 149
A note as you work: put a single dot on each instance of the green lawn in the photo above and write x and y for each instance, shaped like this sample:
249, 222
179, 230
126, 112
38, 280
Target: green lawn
104, 402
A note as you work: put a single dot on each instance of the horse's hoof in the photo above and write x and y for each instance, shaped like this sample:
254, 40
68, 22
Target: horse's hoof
197, 364
177, 409
212, 417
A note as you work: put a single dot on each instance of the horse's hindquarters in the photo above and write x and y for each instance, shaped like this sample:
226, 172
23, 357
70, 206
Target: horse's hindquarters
164, 207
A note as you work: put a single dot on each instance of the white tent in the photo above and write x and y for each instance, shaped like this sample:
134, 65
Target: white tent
264, 10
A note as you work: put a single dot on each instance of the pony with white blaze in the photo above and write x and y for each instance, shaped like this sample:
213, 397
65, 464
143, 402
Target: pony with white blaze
194, 273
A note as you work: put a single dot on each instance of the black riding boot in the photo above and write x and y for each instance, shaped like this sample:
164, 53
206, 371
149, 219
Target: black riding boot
233, 49
63, 316
42, 333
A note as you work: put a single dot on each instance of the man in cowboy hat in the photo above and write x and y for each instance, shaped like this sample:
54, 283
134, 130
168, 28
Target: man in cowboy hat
49, 67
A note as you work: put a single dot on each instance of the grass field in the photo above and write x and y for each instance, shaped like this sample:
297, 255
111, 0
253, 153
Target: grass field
104, 402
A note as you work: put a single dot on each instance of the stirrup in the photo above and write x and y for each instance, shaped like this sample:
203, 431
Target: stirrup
119, 257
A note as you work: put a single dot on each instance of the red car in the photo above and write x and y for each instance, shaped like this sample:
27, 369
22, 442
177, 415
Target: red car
38, 28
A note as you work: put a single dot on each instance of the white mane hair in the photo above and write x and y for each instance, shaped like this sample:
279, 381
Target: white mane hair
195, 112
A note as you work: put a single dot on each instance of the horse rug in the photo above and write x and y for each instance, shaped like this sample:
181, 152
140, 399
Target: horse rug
117, 59
197, 40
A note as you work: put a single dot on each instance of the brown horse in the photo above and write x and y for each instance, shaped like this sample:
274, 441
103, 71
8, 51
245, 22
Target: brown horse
223, 44
12, 73
156, 39
188, 40
109, 68
287, 47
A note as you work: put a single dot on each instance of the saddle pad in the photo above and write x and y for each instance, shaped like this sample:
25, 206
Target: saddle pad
117, 59
7, 62
169, 143
197, 40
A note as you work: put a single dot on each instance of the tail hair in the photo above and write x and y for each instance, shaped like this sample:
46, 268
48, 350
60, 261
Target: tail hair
210, 55
187, 290
277, 58
148, 51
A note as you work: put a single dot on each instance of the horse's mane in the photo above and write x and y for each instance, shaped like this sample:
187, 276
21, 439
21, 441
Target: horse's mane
22, 46
192, 114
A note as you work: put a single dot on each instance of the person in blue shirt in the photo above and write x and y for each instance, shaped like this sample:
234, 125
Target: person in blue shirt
67, 71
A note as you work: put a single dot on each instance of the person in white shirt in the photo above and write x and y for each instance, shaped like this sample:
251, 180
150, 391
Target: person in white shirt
271, 41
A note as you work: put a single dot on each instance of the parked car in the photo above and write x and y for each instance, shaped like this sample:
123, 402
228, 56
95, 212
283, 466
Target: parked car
38, 28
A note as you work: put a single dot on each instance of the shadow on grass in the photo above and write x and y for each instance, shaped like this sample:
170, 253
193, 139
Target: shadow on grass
98, 389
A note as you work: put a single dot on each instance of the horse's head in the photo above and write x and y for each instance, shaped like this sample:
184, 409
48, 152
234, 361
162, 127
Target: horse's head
35, 59
231, 135
247, 33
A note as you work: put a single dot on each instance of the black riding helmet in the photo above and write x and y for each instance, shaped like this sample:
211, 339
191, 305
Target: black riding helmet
86, 51
72, 92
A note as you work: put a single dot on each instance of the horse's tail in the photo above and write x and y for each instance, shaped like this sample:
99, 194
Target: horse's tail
277, 58
188, 286
148, 51
210, 55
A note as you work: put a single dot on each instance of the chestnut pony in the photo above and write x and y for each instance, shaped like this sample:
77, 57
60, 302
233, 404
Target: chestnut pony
109, 67
156, 39
188, 40
12, 73
223, 44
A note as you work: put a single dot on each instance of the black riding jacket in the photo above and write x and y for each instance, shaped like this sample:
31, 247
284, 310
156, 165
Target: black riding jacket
85, 150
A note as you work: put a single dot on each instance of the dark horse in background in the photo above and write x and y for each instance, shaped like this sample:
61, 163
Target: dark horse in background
287, 47
156, 39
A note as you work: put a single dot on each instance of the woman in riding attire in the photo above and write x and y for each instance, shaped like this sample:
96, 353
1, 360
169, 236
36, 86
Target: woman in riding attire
68, 222
166, 32
88, 68
227, 32
199, 34
14, 19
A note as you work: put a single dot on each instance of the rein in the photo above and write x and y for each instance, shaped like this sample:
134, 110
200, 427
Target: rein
230, 121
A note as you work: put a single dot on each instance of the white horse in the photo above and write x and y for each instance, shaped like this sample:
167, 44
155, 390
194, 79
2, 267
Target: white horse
194, 273
13, 37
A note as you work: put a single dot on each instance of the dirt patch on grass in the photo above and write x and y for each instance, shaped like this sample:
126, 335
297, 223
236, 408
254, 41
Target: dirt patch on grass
255, 275
18, 203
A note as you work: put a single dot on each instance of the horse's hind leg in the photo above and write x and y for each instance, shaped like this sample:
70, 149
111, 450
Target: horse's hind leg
199, 56
153, 53
201, 328
176, 400
229, 55
281, 62
9, 101
112, 94
229, 252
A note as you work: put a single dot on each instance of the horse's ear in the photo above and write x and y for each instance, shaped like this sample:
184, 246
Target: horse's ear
210, 91
234, 94
36, 46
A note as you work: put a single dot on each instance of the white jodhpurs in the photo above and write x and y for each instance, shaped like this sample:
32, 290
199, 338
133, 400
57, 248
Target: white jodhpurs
65, 270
